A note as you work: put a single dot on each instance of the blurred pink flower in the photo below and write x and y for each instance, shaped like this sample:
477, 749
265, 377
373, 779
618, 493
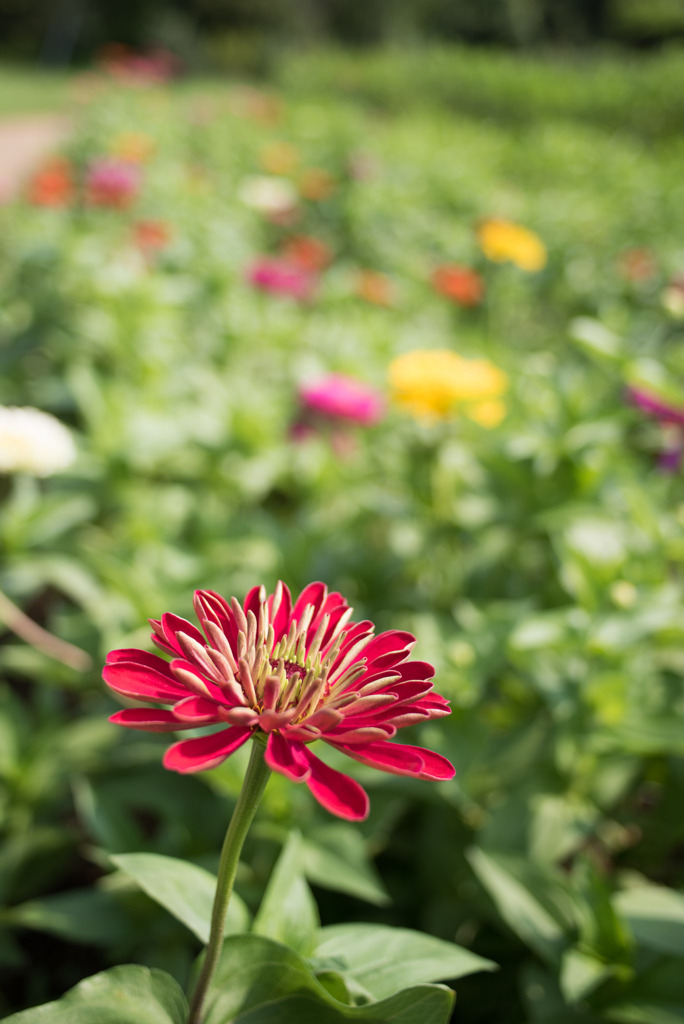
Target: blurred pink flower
671, 419
282, 277
284, 674
337, 397
113, 183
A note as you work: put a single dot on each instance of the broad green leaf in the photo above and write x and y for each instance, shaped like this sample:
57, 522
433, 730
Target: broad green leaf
581, 973
520, 907
645, 1013
335, 857
184, 889
82, 915
655, 915
122, 995
288, 911
383, 960
595, 337
654, 997
425, 1004
258, 981
650, 736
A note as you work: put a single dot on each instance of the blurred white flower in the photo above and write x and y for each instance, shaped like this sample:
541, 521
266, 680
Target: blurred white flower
33, 442
268, 194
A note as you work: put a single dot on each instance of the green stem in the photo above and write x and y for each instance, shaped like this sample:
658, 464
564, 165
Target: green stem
256, 777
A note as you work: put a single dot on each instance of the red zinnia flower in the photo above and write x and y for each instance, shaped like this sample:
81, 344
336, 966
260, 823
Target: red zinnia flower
290, 675
458, 283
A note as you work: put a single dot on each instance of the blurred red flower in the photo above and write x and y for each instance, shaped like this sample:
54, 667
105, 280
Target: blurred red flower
459, 283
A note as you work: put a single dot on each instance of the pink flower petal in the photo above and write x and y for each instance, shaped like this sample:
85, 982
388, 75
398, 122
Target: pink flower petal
315, 594
435, 705
142, 683
287, 757
394, 641
130, 654
338, 793
197, 710
149, 719
206, 751
283, 615
411, 671
396, 758
434, 765
214, 608
253, 600
363, 734
172, 624
356, 631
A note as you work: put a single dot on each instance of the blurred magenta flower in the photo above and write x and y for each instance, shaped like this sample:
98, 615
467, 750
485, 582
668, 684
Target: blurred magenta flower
670, 417
337, 397
281, 277
285, 675
113, 183
131, 67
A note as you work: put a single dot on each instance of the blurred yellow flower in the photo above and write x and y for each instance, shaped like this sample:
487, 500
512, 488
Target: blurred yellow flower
279, 157
503, 241
439, 383
134, 147
316, 184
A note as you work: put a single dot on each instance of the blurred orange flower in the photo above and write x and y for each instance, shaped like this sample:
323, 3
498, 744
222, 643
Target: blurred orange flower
307, 252
637, 264
52, 185
374, 287
459, 283
316, 184
151, 235
502, 241
246, 101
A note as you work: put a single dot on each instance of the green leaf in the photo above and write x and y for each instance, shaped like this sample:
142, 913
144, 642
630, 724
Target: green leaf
122, 995
425, 1004
82, 915
288, 911
595, 337
335, 857
258, 981
184, 889
646, 1013
655, 915
581, 973
522, 908
654, 997
382, 960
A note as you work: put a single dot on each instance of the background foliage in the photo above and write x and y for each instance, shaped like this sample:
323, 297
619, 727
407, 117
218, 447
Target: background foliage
538, 562
217, 31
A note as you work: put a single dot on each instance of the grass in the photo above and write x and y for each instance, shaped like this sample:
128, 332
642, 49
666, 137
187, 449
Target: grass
29, 90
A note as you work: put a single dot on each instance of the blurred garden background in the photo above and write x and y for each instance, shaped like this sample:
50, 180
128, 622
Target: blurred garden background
386, 294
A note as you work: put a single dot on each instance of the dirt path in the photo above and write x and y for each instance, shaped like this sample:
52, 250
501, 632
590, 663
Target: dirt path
24, 141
